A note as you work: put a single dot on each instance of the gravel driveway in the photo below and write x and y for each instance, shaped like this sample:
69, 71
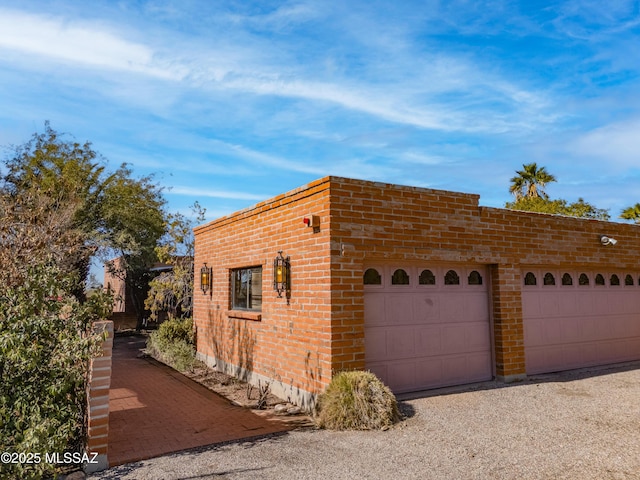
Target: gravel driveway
575, 425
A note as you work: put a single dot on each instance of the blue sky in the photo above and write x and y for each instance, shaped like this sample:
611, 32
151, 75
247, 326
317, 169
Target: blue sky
232, 102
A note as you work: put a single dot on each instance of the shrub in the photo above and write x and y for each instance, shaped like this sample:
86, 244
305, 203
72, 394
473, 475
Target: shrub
172, 344
46, 342
357, 401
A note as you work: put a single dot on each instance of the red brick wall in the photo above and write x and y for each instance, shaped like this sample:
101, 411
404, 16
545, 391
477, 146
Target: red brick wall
322, 331
291, 344
381, 222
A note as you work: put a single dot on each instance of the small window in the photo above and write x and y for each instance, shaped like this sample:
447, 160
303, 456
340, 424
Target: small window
599, 280
530, 279
474, 278
400, 277
246, 288
584, 279
372, 277
549, 279
614, 280
451, 278
628, 280
427, 278
567, 279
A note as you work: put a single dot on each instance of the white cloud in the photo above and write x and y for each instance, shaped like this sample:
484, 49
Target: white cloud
84, 44
616, 144
213, 193
217, 67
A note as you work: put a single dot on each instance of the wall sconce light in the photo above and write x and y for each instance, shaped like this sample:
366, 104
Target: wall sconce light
282, 275
604, 240
205, 278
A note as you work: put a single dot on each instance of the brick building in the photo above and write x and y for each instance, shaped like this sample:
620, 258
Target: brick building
423, 287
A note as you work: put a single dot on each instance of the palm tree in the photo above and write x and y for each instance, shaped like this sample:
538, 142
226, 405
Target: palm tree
530, 181
632, 213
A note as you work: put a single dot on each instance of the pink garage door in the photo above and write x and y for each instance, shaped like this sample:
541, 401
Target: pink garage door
575, 319
427, 327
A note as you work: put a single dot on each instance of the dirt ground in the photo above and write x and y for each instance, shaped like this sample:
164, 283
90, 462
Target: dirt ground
235, 390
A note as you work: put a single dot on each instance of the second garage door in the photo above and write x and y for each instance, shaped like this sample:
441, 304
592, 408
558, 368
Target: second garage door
427, 326
575, 318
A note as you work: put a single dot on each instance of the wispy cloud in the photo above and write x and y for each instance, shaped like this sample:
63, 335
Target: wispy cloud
223, 96
213, 193
82, 43
416, 103
616, 144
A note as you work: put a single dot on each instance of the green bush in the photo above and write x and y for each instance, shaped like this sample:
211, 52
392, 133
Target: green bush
173, 344
46, 342
357, 401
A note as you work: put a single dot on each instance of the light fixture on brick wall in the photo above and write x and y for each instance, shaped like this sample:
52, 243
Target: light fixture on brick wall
605, 240
282, 275
205, 278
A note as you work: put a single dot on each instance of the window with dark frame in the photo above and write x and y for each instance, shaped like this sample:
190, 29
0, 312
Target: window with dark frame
530, 279
372, 277
400, 277
246, 289
427, 278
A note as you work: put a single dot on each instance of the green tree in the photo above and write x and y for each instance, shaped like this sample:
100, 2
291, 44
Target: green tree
580, 209
113, 214
632, 213
530, 181
527, 186
172, 291
132, 225
46, 339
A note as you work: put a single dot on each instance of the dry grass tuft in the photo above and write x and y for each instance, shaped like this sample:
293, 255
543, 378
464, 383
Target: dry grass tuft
357, 401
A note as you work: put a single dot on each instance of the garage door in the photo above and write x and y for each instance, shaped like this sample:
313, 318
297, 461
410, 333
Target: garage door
575, 318
427, 327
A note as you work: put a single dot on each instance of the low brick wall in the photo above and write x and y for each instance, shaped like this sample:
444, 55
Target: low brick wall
98, 401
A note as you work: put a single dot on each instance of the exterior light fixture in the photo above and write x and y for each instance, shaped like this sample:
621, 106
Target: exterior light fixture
282, 275
205, 278
604, 240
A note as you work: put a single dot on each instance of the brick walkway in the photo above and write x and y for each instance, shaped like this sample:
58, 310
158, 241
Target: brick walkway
154, 410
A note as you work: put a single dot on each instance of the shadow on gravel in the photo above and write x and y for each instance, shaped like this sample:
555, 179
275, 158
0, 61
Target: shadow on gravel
115, 473
406, 410
556, 377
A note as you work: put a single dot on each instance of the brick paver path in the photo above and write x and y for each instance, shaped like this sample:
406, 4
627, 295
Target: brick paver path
154, 410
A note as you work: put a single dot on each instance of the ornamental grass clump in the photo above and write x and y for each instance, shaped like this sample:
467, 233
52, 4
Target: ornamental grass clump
357, 401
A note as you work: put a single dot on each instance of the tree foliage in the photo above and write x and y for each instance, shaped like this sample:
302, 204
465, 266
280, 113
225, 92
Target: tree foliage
631, 213
530, 182
527, 186
59, 207
46, 339
172, 291
111, 213
46, 342
580, 209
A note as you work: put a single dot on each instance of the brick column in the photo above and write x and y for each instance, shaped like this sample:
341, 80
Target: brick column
98, 401
506, 286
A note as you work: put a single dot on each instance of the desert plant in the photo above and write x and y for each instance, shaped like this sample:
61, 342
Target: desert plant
357, 400
172, 344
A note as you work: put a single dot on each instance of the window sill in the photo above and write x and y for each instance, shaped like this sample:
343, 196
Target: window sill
245, 315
